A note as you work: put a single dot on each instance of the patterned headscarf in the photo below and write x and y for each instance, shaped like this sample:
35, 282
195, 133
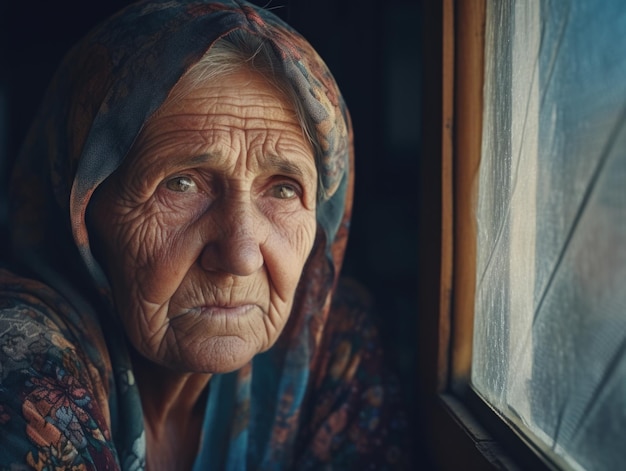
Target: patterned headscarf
112, 82
102, 95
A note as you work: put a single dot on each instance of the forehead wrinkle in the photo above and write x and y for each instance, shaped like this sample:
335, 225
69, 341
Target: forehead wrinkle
184, 160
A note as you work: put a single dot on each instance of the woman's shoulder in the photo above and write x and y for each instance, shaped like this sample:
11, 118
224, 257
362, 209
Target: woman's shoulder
358, 417
53, 398
351, 308
351, 350
36, 318
32, 322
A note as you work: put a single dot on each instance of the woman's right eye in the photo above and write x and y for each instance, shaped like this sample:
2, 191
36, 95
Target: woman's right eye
182, 185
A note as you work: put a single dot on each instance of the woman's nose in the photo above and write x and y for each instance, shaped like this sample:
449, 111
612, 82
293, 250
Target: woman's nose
235, 244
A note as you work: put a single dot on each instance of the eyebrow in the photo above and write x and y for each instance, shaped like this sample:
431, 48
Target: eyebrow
284, 166
281, 164
200, 159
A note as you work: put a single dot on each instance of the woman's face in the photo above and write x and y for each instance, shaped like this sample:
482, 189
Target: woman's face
205, 229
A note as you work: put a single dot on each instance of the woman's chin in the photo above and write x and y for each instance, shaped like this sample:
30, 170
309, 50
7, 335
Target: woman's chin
223, 354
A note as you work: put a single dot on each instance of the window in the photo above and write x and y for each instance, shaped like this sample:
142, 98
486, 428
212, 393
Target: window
550, 312
532, 336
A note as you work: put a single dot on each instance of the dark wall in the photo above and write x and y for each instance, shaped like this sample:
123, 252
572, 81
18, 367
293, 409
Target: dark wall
373, 49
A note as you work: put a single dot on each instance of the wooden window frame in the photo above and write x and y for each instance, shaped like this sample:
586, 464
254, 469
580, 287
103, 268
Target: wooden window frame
461, 431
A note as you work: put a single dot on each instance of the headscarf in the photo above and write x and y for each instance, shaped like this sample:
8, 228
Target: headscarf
105, 90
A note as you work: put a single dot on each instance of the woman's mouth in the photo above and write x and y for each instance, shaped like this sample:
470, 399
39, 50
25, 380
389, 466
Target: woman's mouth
227, 311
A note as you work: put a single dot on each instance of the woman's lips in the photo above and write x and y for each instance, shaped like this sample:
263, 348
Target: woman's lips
228, 311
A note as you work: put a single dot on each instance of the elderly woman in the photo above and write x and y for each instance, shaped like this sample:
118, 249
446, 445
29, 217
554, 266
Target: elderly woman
179, 217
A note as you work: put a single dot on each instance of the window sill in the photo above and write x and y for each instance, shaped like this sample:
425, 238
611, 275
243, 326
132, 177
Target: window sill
486, 441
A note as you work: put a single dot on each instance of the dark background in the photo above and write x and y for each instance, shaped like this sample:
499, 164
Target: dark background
373, 49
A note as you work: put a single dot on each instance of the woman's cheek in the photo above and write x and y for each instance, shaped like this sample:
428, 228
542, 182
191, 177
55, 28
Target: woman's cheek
298, 229
142, 233
177, 208
144, 245
154, 263
164, 244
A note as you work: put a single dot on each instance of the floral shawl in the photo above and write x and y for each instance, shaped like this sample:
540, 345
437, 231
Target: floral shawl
320, 398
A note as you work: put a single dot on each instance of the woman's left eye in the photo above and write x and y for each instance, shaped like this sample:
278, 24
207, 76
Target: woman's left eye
284, 191
182, 185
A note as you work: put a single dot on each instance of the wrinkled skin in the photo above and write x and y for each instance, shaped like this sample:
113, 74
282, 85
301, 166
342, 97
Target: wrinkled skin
205, 229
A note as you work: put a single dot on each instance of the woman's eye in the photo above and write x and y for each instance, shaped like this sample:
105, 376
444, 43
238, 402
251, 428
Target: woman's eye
181, 185
284, 191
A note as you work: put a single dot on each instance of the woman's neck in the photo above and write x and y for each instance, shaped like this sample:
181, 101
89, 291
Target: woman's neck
173, 407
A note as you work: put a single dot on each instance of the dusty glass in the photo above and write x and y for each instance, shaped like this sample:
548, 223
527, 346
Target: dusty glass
550, 313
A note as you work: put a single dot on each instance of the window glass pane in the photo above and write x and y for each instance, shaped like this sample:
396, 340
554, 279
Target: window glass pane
550, 322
